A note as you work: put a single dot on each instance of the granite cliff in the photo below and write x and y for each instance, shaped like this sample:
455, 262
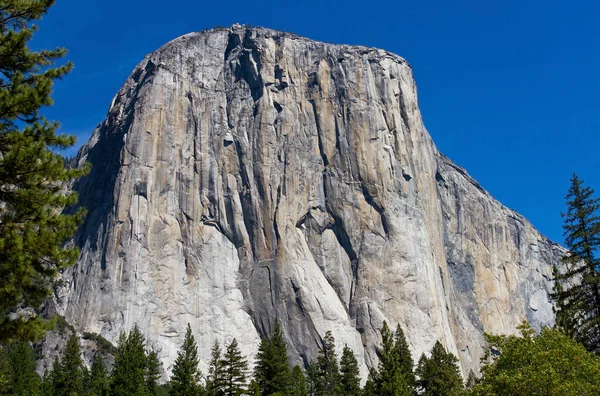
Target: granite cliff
245, 175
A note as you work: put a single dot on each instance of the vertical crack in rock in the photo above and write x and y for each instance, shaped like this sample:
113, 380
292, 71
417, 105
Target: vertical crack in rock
275, 227
251, 66
319, 134
378, 208
245, 194
232, 43
337, 226
272, 294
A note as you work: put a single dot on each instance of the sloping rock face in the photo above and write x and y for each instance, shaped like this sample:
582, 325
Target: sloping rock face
244, 176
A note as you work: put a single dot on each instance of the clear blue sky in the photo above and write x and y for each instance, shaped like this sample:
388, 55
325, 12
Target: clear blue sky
508, 89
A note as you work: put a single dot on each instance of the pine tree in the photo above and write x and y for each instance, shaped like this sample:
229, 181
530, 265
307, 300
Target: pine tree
388, 363
271, 370
4, 369
56, 376
235, 368
577, 282
152, 375
86, 378
471, 380
254, 389
312, 379
185, 380
370, 388
395, 376
350, 375
23, 379
33, 228
128, 376
298, 382
328, 373
99, 383
71, 369
46, 387
405, 361
215, 383
439, 374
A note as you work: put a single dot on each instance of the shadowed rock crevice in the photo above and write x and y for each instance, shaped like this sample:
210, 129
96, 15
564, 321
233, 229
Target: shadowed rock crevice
251, 66
378, 208
319, 134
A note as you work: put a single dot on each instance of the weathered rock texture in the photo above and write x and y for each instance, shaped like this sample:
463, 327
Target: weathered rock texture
244, 176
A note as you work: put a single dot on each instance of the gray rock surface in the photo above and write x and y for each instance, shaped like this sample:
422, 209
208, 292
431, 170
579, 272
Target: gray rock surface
245, 175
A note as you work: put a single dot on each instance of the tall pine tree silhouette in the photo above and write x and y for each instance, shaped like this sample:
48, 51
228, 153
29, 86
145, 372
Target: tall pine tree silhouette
350, 375
99, 383
72, 368
395, 375
33, 227
235, 368
129, 370
215, 383
185, 380
298, 382
439, 374
271, 370
327, 372
577, 281
152, 374
23, 380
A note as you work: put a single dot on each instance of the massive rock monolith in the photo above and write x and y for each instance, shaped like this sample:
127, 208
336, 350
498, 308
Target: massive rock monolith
245, 175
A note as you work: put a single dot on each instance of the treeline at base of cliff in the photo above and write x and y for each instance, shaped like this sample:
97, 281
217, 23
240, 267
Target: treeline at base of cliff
543, 364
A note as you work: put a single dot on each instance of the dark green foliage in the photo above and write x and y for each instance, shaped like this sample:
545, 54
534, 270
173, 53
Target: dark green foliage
215, 383
4, 368
86, 378
185, 380
129, 371
312, 379
61, 324
395, 375
298, 382
550, 363
71, 367
235, 368
439, 374
165, 390
577, 282
404, 357
103, 344
152, 374
370, 388
22, 378
56, 375
472, 380
32, 227
350, 375
46, 387
326, 378
254, 389
99, 381
271, 371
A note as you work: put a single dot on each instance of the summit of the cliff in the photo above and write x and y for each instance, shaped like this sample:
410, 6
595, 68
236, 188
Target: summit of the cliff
256, 33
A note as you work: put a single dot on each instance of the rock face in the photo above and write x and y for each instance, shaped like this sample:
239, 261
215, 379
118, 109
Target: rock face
244, 176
